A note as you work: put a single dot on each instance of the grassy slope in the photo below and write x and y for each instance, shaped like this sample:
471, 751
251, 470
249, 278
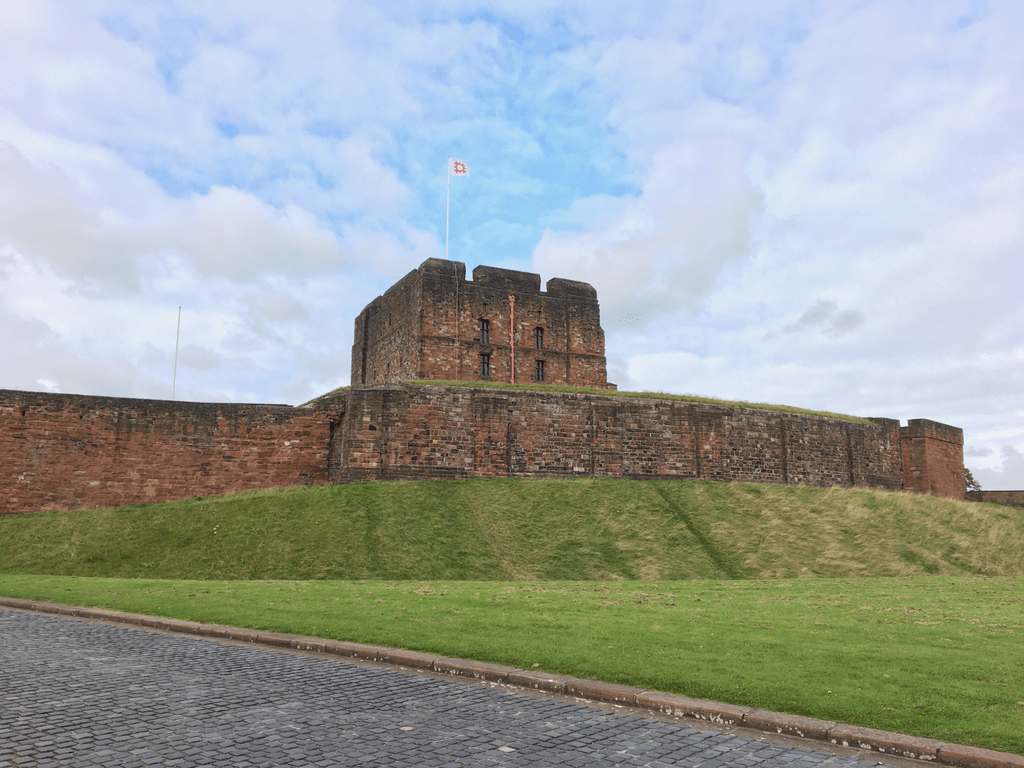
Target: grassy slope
539, 572
497, 530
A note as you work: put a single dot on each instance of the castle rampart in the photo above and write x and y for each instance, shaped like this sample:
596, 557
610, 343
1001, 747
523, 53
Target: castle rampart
1009, 498
76, 452
426, 431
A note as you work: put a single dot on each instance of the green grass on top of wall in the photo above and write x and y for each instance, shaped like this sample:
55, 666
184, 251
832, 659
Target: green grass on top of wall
616, 393
642, 395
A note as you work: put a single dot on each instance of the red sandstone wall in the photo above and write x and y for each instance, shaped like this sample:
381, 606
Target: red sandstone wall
77, 452
933, 459
426, 326
74, 452
568, 313
387, 335
1009, 498
429, 431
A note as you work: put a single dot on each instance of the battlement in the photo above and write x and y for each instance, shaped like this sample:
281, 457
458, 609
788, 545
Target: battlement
507, 279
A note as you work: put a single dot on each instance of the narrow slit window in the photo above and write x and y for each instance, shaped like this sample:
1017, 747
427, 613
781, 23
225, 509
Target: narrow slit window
485, 331
540, 371
538, 338
485, 364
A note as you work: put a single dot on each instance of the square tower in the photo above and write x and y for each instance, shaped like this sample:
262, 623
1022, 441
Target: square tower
434, 324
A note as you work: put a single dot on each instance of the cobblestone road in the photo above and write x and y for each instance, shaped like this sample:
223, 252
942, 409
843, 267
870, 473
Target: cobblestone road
75, 693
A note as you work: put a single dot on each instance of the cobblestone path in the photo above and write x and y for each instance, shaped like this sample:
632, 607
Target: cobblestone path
74, 693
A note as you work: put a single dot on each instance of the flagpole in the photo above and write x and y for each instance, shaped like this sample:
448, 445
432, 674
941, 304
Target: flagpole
448, 207
177, 336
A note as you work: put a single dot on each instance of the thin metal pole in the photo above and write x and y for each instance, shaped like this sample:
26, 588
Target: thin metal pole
448, 207
512, 333
177, 336
458, 345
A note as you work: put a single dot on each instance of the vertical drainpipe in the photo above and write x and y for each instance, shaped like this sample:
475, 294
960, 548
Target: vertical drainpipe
458, 346
512, 334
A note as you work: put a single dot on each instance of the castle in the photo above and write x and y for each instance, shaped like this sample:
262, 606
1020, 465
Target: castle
76, 452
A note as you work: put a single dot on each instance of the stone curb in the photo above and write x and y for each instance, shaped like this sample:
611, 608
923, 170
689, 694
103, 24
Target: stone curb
883, 742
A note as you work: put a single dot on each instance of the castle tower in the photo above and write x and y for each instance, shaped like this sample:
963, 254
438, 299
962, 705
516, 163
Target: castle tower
933, 459
433, 324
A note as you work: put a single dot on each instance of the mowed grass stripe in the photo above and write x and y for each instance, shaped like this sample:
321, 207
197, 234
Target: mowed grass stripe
933, 656
512, 529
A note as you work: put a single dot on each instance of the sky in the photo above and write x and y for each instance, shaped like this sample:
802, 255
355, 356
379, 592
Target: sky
817, 204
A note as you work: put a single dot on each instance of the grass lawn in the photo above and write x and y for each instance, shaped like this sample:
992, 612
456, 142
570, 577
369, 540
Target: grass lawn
934, 656
889, 610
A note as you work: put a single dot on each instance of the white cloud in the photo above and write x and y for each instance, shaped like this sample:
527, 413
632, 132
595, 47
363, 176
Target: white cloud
664, 250
225, 232
1009, 476
825, 315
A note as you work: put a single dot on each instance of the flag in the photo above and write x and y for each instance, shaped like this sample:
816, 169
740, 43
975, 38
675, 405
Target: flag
457, 167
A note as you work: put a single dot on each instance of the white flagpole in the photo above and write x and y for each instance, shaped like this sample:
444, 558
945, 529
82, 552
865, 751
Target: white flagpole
174, 381
448, 207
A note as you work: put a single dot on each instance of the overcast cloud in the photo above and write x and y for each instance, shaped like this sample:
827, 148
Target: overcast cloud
816, 204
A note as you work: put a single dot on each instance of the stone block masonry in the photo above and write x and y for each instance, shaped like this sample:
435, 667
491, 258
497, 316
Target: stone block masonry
436, 325
76, 452
426, 431
1009, 498
933, 459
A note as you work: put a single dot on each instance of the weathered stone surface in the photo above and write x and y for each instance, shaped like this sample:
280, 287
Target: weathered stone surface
354, 650
69, 452
933, 459
595, 690
699, 709
476, 669
885, 742
420, 431
77, 452
541, 681
308, 644
274, 638
1009, 498
403, 658
428, 326
788, 725
973, 757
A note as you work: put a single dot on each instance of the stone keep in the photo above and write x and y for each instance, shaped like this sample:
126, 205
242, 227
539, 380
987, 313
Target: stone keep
500, 326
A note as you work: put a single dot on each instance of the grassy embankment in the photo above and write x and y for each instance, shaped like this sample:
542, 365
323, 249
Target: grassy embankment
497, 530
658, 584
